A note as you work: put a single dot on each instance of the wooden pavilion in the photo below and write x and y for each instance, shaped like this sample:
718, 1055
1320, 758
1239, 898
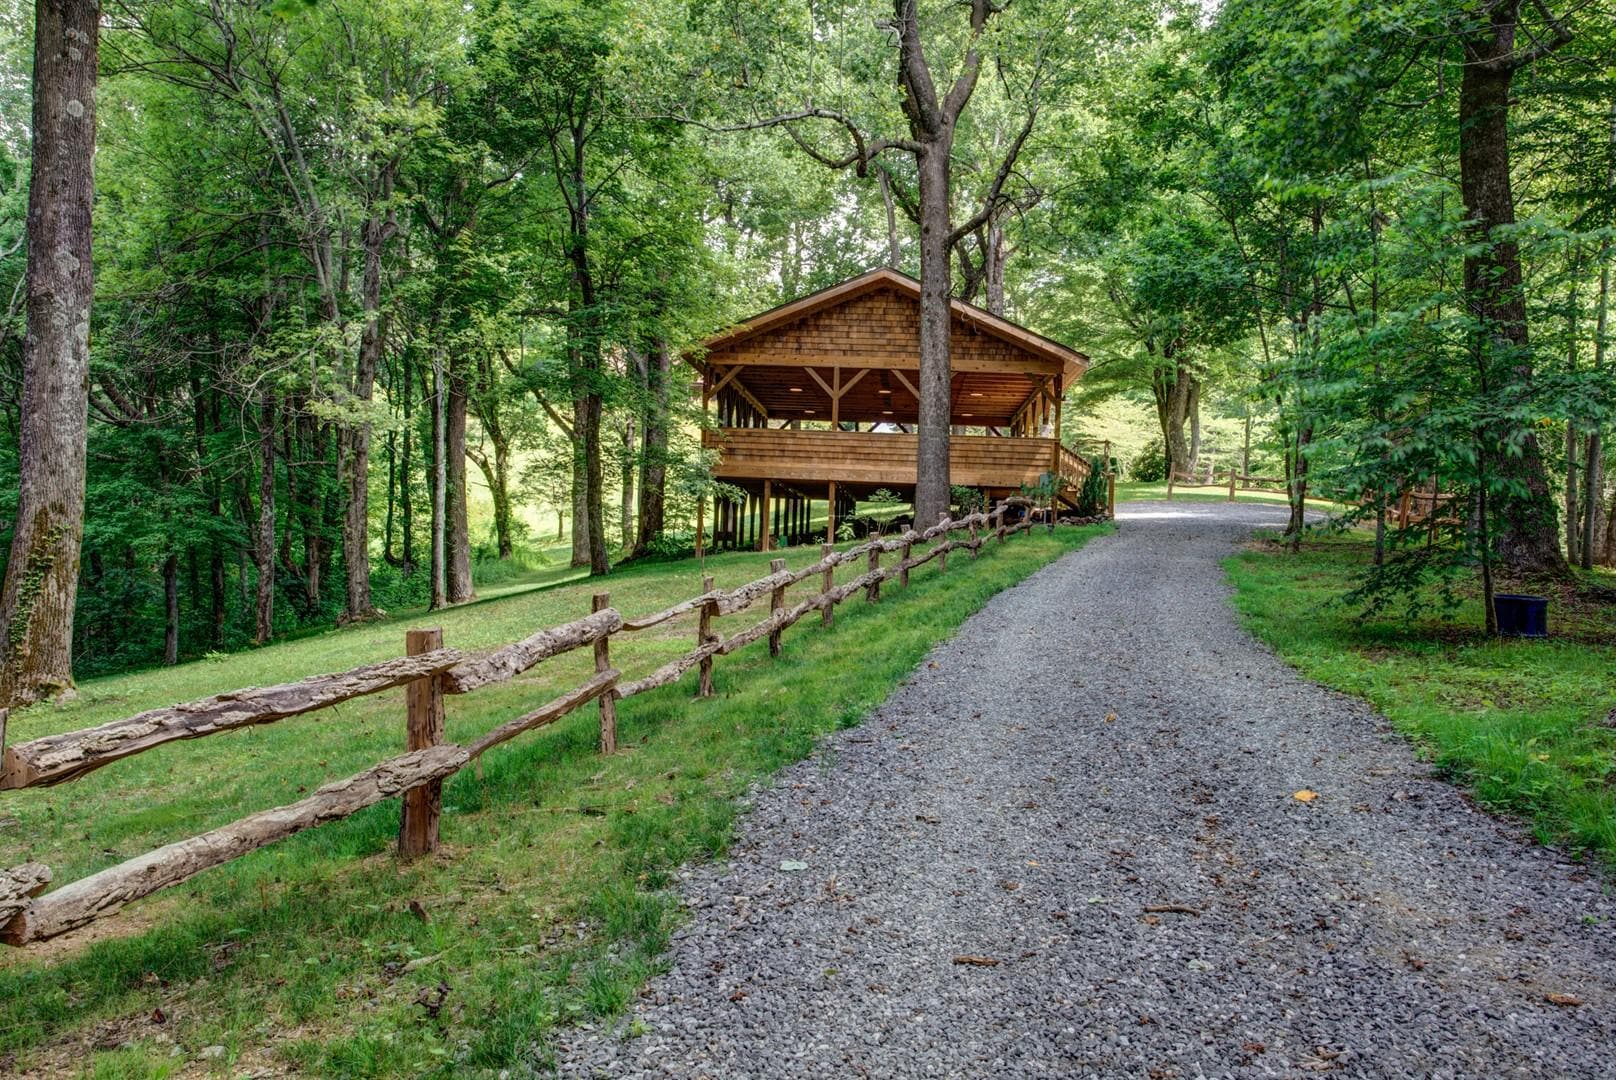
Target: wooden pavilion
816, 401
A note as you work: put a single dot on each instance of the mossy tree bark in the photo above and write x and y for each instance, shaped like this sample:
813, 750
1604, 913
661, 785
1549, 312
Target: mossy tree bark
41, 580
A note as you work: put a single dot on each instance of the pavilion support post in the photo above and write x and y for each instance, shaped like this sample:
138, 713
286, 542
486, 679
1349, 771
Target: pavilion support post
830, 515
765, 539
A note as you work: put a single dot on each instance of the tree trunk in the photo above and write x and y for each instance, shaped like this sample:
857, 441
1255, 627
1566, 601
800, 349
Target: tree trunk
894, 252
993, 255
406, 498
593, 483
1173, 389
440, 480
496, 473
1593, 478
580, 491
1193, 408
42, 572
171, 610
654, 449
264, 538
626, 468
356, 516
936, 326
1525, 531
458, 582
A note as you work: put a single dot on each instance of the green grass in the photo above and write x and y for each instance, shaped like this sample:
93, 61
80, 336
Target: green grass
1528, 726
548, 902
1140, 490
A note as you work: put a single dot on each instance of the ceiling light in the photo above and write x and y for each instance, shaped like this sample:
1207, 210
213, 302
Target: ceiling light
967, 414
976, 393
810, 412
796, 389
886, 412
883, 391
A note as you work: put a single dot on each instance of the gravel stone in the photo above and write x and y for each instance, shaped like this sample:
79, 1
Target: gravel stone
1101, 739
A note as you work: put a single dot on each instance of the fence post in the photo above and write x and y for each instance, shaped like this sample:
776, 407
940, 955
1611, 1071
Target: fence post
423, 701
827, 582
603, 660
872, 591
777, 604
903, 566
998, 521
942, 559
974, 544
704, 636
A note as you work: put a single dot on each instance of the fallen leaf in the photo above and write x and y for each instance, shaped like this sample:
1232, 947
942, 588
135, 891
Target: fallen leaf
1253, 1047
1562, 999
977, 961
418, 911
1110, 717
1305, 795
739, 995
792, 866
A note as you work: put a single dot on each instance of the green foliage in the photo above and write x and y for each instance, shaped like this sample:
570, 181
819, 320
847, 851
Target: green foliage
1150, 464
967, 500
1093, 497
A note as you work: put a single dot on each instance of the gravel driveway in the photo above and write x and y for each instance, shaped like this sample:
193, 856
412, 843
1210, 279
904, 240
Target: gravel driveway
984, 852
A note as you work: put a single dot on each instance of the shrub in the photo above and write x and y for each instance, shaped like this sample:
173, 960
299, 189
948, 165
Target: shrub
1150, 466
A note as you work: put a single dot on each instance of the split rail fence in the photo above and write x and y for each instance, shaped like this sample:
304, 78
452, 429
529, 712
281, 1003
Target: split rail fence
429, 672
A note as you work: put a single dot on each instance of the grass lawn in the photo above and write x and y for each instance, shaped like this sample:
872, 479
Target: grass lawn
1528, 726
549, 901
1140, 490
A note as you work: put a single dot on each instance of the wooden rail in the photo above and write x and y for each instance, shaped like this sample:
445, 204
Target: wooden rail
429, 671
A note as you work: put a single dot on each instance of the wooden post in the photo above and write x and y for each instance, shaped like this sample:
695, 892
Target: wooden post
827, 582
872, 591
777, 604
942, 559
830, 515
1402, 509
998, 521
701, 516
603, 660
423, 702
704, 635
973, 538
765, 538
1232, 476
903, 567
